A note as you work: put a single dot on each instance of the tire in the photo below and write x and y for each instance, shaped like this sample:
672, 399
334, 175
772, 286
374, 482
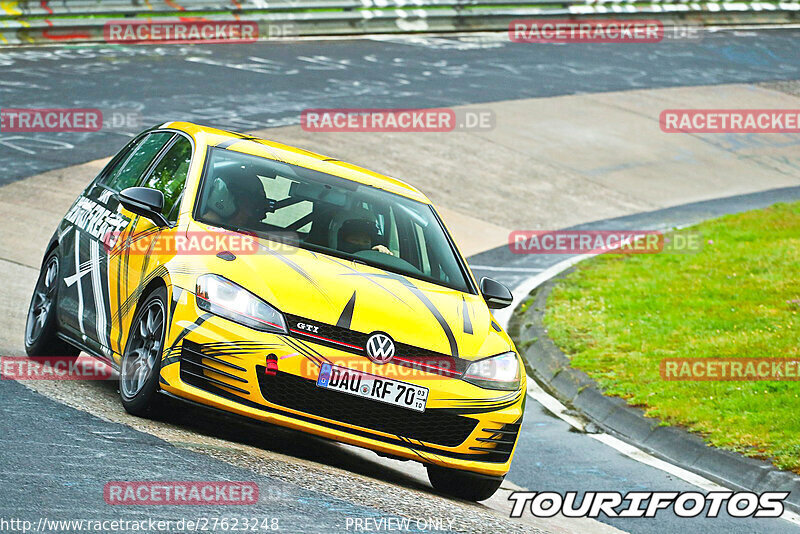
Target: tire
140, 365
41, 327
463, 484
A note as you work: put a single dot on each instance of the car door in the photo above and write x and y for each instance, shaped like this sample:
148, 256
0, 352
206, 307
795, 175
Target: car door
145, 248
85, 235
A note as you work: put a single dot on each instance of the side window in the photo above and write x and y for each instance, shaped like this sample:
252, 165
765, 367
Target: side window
121, 158
169, 176
129, 170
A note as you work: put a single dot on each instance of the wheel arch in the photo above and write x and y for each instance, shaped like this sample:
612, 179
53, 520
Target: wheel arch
150, 403
151, 286
156, 283
50, 248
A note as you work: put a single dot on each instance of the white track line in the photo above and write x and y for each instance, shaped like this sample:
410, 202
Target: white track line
555, 406
507, 269
522, 291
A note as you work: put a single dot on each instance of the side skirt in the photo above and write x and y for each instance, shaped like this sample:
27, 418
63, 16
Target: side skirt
88, 350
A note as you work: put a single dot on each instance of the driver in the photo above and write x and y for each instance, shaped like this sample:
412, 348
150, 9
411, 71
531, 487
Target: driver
356, 235
237, 198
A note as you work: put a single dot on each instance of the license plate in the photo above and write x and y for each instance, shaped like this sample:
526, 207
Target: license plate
372, 387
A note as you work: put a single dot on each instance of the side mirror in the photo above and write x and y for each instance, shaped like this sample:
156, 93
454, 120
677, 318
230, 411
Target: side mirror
496, 295
146, 202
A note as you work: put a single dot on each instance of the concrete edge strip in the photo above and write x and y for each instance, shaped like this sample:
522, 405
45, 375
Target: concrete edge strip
406, 18
666, 448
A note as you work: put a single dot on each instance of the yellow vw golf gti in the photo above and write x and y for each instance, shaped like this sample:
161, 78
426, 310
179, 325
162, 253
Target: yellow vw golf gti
280, 285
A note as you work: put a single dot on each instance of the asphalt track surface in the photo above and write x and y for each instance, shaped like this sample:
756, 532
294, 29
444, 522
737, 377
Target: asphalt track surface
82, 453
249, 87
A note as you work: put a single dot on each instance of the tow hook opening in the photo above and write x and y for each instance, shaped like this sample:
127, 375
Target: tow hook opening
271, 367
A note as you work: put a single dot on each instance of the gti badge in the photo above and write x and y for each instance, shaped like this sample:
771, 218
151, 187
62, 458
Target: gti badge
380, 348
308, 327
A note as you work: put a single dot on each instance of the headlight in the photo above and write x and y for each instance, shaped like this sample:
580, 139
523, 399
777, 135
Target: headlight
497, 372
222, 297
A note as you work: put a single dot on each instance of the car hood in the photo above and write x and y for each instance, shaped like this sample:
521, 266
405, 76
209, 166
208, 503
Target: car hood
308, 285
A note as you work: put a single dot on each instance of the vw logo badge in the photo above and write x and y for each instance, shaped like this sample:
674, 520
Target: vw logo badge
380, 348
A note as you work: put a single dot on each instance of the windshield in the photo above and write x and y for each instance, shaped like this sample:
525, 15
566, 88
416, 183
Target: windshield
328, 214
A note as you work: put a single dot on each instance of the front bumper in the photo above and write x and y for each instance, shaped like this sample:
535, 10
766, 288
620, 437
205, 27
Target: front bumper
213, 361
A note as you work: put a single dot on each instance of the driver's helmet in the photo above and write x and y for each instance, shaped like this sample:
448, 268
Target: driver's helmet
236, 186
356, 235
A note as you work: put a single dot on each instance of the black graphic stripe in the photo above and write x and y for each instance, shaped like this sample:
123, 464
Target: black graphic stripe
312, 349
124, 275
417, 292
133, 298
296, 268
199, 321
228, 142
347, 314
448, 332
176, 296
130, 238
305, 351
369, 278
465, 312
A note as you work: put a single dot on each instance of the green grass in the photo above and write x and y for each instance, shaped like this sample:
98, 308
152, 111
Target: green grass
617, 316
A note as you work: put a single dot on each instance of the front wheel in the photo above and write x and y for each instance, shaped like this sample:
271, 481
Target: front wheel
41, 337
141, 360
463, 484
